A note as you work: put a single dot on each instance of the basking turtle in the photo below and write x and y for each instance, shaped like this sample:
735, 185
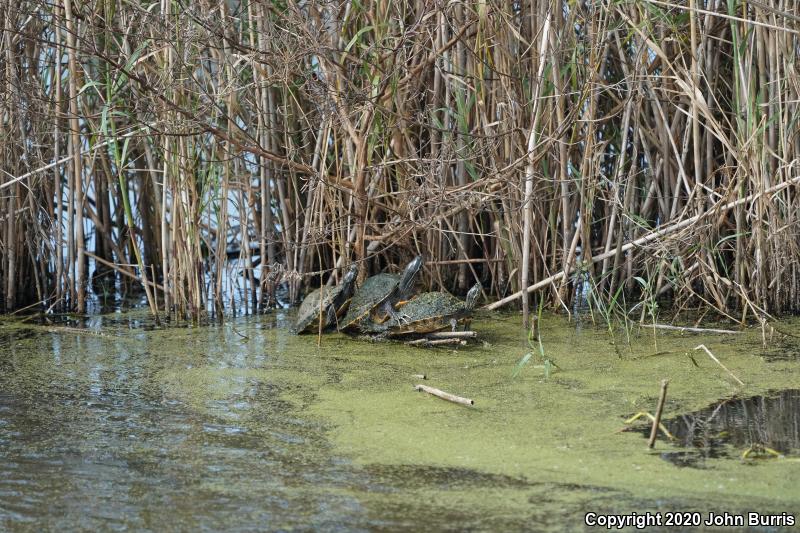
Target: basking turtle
433, 311
329, 300
378, 295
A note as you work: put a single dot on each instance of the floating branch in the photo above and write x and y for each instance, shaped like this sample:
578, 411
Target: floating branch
452, 335
444, 395
439, 342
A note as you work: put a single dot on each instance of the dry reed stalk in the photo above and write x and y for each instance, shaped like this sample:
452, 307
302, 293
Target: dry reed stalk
309, 138
528, 180
662, 397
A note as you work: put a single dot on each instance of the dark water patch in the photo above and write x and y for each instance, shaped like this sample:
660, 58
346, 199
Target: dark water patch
100, 440
754, 427
99, 462
441, 478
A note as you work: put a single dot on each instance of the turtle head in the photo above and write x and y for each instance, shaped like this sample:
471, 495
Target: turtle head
350, 276
472, 296
407, 278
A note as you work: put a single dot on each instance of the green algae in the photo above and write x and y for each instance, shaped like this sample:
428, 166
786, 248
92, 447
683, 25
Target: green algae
244, 415
564, 429
561, 430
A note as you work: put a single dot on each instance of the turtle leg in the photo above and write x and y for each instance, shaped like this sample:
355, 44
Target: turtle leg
399, 318
330, 316
339, 313
343, 308
374, 337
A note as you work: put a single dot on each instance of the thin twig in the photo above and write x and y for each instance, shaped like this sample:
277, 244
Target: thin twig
692, 330
122, 271
711, 355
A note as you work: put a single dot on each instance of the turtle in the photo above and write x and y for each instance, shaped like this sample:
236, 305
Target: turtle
376, 298
329, 300
433, 311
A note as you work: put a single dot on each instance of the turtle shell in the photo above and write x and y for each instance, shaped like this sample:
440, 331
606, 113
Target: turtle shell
433, 311
428, 312
369, 296
329, 300
379, 293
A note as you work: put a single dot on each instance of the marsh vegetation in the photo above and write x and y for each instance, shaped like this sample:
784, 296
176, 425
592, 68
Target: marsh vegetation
222, 155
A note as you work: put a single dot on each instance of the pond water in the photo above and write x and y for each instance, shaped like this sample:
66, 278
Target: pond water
242, 426
763, 426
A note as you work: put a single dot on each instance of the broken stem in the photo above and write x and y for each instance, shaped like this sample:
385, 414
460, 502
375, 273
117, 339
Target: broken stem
660, 409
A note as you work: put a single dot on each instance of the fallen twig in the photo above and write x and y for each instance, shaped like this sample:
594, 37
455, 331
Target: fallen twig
452, 335
439, 342
417, 342
690, 330
711, 355
444, 395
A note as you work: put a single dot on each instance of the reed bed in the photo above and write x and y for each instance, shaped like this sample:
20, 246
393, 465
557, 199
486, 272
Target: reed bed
645, 149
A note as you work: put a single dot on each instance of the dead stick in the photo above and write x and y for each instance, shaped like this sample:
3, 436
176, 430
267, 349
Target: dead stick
439, 342
442, 335
690, 330
419, 376
660, 409
442, 342
444, 395
452, 335
711, 355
